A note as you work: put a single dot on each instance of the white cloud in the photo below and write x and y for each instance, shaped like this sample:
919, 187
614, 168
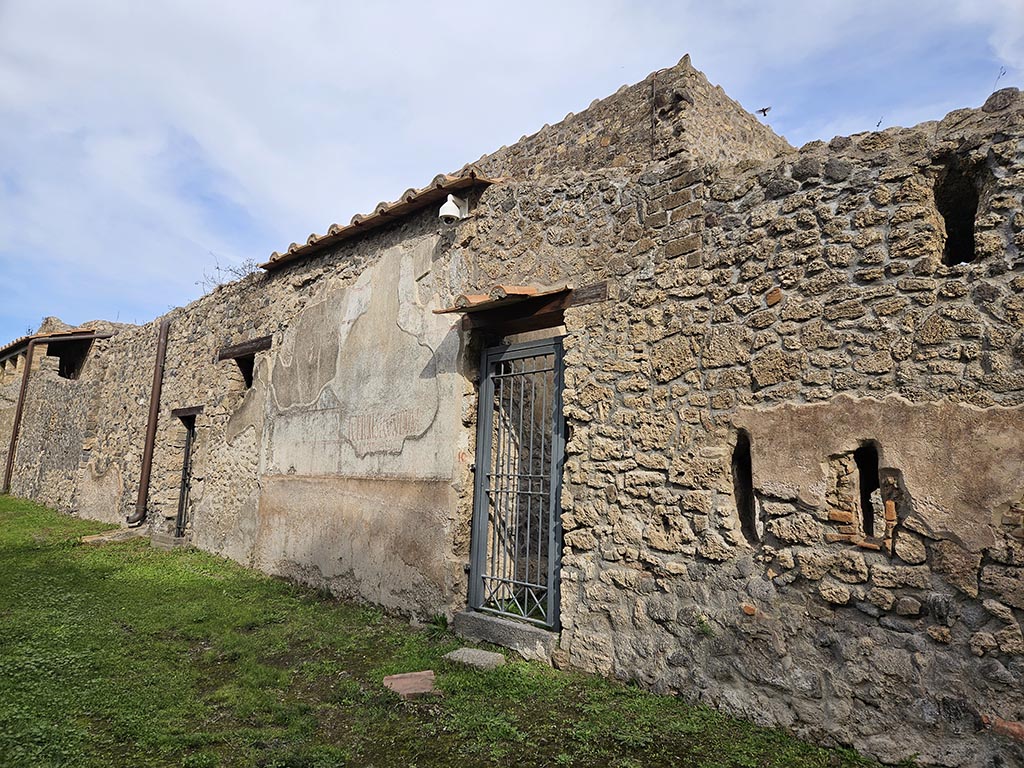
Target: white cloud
1005, 22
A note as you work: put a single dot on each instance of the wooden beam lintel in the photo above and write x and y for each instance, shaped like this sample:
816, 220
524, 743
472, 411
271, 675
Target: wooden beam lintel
249, 347
193, 410
537, 313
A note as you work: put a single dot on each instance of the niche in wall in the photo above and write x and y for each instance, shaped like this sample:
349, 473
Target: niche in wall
743, 487
71, 356
956, 198
866, 459
244, 355
246, 364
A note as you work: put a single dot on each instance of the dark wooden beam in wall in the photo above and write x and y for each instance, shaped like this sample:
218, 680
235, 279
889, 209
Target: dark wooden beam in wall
180, 413
250, 347
534, 314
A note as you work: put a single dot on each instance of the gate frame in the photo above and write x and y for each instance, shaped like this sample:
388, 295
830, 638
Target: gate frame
490, 356
187, 417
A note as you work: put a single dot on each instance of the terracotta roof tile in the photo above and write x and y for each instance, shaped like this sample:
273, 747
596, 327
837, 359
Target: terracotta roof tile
411, 200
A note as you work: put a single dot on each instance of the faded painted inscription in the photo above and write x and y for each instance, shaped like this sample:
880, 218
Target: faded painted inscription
375, 431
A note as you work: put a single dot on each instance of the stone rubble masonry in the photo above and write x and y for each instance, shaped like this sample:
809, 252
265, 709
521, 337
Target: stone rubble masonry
799, 295
688, 116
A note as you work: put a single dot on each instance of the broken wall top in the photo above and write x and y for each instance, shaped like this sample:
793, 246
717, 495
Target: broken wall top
673, 111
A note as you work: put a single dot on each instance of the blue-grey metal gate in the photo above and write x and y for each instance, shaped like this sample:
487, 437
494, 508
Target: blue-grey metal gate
517, 533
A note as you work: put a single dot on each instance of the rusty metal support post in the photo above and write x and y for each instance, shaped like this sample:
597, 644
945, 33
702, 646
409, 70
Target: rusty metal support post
18, 412
154, 412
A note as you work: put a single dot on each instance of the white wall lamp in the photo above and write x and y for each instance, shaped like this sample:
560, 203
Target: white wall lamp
454, 209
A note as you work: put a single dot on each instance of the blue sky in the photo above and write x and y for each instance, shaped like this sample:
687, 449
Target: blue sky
142, 143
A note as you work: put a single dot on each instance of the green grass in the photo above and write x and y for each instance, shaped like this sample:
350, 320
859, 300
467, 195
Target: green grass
126, 656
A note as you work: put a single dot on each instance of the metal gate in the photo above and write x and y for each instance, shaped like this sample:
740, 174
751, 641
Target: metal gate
181, 522
517, 532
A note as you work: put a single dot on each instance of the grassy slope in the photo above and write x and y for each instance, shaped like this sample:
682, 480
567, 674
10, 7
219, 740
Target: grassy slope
123, 655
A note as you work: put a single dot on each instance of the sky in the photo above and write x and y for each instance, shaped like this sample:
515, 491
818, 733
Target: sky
142, 144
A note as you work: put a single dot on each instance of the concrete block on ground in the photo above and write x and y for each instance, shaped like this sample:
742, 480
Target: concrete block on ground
168, 541
475, 657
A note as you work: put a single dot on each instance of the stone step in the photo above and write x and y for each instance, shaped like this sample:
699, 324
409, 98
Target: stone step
112, 537
529, 641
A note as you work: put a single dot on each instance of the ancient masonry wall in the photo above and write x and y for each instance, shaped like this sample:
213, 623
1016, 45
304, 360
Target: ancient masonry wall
770, 325
671, 112
10, 383
56, 419
334, 461
806, 303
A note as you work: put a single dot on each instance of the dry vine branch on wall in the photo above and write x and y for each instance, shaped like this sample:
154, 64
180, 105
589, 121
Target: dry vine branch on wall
220, 274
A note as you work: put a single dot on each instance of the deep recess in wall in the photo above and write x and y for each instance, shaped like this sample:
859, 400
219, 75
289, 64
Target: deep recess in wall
743, 486
956, 197
866, 458
246, 364
70, 355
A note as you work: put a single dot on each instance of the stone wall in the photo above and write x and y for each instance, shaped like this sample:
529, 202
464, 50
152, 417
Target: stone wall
56, 422
671, 112
774, 318
806, 303
812, 310
329, 469
10, 383
340, 466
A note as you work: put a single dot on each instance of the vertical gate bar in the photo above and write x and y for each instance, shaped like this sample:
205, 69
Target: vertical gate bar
478, 542
513, 499
529, 498
496, 480
544, 506
517, 575
517, 479
503, 479
555, 525
509, 465
499, 454
508, 383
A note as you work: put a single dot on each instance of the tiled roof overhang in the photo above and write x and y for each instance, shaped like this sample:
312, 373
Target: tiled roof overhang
385, 213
